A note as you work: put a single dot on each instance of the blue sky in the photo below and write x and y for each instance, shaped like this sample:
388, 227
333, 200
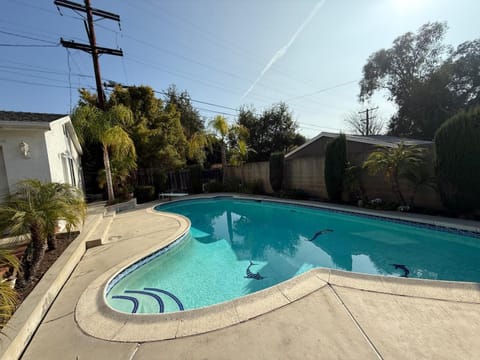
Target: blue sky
221, 51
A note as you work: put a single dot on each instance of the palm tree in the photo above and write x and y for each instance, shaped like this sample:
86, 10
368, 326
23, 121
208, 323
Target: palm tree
35, 209
121, 171
395, 162
107, 128
239, 150
196, 146
73, 208
220, 125
8, 295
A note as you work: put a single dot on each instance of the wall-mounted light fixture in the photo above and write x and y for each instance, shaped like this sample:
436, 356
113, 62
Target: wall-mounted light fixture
24, 149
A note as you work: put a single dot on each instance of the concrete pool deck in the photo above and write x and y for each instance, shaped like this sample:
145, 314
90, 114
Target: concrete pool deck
323, 314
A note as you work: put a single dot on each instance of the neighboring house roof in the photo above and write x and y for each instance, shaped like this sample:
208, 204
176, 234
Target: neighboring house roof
379, 140
22, 120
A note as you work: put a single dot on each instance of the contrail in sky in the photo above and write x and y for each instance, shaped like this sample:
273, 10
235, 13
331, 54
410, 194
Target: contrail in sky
283, 50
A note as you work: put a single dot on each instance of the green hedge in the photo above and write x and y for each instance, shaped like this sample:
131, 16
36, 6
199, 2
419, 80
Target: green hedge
457, 161
276, 170
335, 163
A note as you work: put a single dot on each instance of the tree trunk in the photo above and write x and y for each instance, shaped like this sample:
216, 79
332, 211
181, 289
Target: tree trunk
224, 160
108, 174
396, 188
33, 256
52, 241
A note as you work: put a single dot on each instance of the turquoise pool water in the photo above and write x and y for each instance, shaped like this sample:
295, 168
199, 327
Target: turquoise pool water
213, 263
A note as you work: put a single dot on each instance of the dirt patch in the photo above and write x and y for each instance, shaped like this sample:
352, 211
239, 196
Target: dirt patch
63, 240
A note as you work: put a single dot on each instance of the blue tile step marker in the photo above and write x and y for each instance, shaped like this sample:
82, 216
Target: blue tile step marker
152, 293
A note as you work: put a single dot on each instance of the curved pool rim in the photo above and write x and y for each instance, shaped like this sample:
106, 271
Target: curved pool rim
97, 318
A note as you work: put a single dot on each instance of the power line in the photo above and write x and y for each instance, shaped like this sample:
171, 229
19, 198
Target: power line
214, 39
208, 66
27, 37
216, 112
323, 90
188, 77
192, 100
182, 75
313, 126
19, 2
218, 70
33, 83
192, 60
200, 101
69, 77
43, 71
33, 76
29, 45
34, 32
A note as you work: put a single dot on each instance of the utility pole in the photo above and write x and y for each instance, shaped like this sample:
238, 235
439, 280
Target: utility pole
367, 119
92, 47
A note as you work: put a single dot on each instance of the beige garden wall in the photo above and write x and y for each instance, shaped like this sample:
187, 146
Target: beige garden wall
307, 174
251, 172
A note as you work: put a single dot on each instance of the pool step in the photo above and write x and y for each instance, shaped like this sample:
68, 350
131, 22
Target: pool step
100, 235
152, 293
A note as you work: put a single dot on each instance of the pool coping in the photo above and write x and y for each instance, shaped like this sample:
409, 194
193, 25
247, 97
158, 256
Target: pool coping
96, 318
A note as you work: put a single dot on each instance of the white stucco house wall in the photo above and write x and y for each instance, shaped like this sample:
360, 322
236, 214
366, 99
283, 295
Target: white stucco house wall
40, 146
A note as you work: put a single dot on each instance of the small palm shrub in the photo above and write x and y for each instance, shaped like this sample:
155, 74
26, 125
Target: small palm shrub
400, 161
35, 209
8, 295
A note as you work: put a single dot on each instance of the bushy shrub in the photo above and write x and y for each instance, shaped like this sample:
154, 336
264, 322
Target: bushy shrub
335, 163
276, 170
144, 193
457, 161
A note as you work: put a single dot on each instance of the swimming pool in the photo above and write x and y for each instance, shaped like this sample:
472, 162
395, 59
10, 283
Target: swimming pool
237, 246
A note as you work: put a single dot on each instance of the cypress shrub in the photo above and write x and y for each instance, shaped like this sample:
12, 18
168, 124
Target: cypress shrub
457, 161
276, 170
335, 163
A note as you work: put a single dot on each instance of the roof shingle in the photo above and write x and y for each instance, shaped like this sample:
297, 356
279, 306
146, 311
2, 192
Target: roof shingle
28, 116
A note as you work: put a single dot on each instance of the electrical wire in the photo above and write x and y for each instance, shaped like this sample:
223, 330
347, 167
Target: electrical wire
323, 90
26, 37
69, 77
33, 83
42, 71
197, 29
28, 45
